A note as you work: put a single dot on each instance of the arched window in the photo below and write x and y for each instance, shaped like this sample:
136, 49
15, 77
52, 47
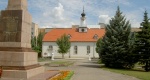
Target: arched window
50, 47
75, 50
45, 53
88, 49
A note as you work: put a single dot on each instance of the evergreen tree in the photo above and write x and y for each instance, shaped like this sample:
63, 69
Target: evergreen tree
98, 45
117, 43
63, 44
142, 43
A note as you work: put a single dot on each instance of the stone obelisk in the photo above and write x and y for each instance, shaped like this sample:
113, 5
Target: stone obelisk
16, 56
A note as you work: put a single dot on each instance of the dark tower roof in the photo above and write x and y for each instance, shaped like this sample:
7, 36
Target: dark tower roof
83, 14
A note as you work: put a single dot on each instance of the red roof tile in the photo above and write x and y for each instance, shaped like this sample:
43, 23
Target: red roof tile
76, 36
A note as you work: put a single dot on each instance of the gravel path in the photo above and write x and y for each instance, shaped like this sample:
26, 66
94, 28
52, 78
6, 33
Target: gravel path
86, 70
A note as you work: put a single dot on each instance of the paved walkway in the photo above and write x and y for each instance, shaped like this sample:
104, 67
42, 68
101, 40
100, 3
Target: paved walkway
85, 70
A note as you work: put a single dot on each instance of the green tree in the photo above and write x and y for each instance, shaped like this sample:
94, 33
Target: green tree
33, 42
142, 43
63, 44
36, 43
116, 45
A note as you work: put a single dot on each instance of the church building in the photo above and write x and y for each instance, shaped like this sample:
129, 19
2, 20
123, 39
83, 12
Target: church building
83, 40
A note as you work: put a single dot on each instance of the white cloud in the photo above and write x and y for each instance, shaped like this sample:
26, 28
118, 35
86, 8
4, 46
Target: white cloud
104, 19
135, 17
56, 16
58, 12
135, 23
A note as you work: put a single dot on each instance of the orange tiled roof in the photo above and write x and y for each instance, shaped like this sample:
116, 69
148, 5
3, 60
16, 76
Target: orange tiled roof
76, 36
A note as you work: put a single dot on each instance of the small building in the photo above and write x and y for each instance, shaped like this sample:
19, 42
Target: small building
34, 30
42, 30
83, 40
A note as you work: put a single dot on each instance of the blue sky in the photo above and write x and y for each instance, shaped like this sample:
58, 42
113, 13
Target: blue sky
64, 13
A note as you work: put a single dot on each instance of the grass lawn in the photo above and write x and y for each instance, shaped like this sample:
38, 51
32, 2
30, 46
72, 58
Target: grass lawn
44, 59
56, 63
61, 63
137, 71
141, 74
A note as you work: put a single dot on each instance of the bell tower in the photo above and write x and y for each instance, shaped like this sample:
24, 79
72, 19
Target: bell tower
83, 19
83, 26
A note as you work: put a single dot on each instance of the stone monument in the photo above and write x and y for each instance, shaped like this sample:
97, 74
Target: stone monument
16, 56
52, 58
89, 57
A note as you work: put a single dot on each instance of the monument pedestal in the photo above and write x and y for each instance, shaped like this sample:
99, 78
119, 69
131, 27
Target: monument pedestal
19, 65
22, 74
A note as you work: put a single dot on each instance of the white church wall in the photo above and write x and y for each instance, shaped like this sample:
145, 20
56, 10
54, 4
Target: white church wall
81, 50
45, 50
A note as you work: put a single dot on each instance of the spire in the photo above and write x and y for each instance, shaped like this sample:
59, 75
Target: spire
83, 9
118, 2
83, 14
17, 5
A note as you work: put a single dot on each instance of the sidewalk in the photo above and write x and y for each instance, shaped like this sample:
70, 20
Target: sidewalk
86, 70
